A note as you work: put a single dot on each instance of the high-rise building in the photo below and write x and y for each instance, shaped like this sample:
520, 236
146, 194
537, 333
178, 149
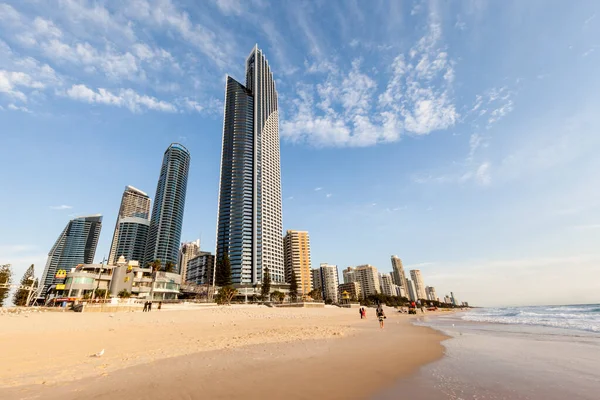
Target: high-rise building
412, 293
249, 226
329, 277
417, 279
75, 245
349, 275
136, 204
317, 279
431, 295
398, 275
201, 269
187, 251
385, 282
167, 212
453, 299
296, 245
368, 278
132, 236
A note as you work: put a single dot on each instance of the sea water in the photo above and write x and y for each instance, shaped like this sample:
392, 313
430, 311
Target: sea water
541, 352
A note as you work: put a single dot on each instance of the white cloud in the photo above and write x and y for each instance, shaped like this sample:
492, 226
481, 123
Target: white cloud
483, 174
328, 195
61, 207
587, 53
18, 108
11, 80
347, 109
318, 188
230, 7
121, 98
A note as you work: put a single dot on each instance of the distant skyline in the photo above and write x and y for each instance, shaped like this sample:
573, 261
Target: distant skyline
461, 136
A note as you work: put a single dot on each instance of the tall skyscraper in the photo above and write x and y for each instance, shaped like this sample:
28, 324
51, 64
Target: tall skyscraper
385, 282
417, 279
431, 295
75, 245
132, 238
249, 227
411, 292
296, 245
317, 279
136, 204
201, 269
368, 278
398, 275
167, 212
187, 251
330, 279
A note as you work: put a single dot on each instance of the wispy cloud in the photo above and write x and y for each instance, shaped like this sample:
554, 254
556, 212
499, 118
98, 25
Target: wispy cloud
318, 188
121, 98
348, 109
61, 207
328, 195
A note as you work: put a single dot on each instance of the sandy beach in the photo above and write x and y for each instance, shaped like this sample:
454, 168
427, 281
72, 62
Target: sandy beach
210, 353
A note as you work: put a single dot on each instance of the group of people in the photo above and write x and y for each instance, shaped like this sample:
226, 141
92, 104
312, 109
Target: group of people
148, 306
379, 312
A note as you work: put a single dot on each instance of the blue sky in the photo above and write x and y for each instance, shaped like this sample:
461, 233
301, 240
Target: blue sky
461, 135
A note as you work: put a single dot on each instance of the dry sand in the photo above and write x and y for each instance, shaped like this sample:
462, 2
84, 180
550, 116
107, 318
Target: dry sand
209, 353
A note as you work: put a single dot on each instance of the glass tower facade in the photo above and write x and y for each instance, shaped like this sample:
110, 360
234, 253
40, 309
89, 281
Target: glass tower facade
164, 234
132, 239
75, 245
249, 227
134, 203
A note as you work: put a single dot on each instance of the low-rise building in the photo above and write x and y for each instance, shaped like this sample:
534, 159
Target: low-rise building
352, 288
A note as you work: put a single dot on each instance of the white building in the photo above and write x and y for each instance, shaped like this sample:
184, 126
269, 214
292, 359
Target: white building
329, 276
412, 293
431, 295
187, 251
349, 275
385, 281
417, 279
368, 278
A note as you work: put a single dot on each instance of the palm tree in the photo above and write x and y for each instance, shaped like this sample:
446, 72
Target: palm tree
169, 266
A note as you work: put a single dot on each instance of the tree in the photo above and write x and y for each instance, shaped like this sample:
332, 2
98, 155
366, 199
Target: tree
124, 294
223, 273
155, 265
5, 279
20, 296
293, 286
225, 295
265, 288
169, 266
316, 294
278, 296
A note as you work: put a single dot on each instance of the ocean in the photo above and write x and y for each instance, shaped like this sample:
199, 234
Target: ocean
520, 353
585, 317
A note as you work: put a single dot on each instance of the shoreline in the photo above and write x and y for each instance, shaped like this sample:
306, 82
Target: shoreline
178, 353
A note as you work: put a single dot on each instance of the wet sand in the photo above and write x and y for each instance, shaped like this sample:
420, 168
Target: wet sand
212, 353
500, 361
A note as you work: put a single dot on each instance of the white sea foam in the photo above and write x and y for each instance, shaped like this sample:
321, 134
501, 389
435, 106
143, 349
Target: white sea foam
580, 317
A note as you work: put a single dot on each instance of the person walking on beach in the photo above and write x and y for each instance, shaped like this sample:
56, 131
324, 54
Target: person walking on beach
360, 311
380, 316
149, 306
159, 304
145, 306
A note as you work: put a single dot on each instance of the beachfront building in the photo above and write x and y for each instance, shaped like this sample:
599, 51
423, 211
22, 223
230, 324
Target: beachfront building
398, 275
368, 278
349, 275
385, 282
249, 227
399, 291
75, 245
201, 269
296, 245
431, 295
132, 236
330, 281
453, 299
417, 279
187, 251
135, 208
412, 293
166, 223
166, 286
352, 288
316, 279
